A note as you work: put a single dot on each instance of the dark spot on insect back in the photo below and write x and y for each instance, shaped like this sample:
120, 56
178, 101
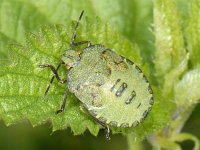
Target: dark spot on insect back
121, 89
145, 113
117, 63
98, 84
139, 105
94, 95
78, 87
112, 88
138, 69
131, 97
151, 101
149, 109
122, 57
95, 101
145, 79
150, 89
109, 71
104, 52
124, 125
129, 62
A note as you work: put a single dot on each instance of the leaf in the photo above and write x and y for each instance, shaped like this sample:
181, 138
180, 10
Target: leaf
187, 90
172, 78
193, 31
171, 58
23, 83
16, 18
170, 50
4, 41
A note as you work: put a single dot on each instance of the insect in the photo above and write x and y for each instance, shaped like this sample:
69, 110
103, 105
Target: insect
112, 88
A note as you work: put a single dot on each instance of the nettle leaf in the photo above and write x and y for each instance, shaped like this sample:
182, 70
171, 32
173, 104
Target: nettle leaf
23, 83
16, 18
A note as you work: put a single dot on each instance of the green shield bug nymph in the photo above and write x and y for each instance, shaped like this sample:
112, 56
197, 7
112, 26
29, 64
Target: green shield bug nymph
112, 88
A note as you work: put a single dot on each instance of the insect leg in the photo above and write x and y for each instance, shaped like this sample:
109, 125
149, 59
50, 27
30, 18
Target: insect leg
107, 129
55, 71
63, 103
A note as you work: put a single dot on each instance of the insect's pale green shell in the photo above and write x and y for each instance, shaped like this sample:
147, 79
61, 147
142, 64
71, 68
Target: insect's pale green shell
98, 77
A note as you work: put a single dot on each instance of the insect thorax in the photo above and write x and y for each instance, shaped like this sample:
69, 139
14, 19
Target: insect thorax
90, 70
71, 57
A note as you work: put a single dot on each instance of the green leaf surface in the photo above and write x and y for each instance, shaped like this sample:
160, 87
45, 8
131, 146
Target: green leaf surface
187, 90
170, 50
16, 17
193, 31
4, 42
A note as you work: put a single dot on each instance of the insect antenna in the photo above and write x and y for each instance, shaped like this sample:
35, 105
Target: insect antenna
74, 33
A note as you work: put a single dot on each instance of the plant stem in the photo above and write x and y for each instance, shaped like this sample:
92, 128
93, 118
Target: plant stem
133, 144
